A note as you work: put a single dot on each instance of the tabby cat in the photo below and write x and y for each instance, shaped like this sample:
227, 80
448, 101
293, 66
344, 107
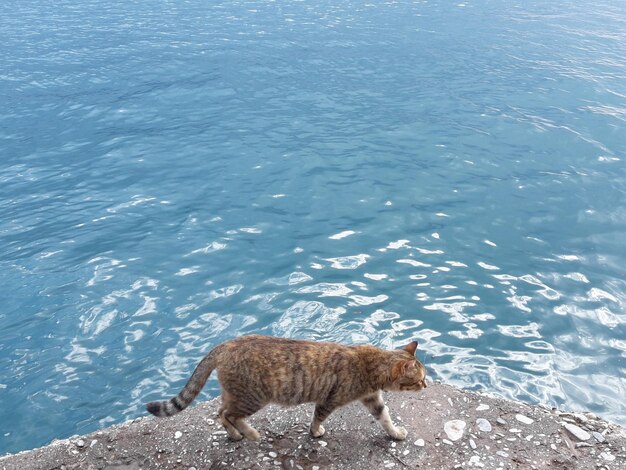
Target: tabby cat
256, 370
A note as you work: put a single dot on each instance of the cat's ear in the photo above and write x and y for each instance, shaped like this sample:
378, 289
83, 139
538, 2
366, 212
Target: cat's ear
411, 347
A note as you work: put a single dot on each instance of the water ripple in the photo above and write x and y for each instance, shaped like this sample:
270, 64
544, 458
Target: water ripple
173, 177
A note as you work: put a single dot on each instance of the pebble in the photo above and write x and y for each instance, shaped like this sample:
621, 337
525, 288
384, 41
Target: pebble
454, 429
608, 457
178, 435
483, 425
406, 452
272, 454
501, 453
446, 441
583, 444
80, 443
419, 443
472, 444
577, 432
524, 419
192, 468
323, 443
482, 407
501, 421
515, 430
598, 437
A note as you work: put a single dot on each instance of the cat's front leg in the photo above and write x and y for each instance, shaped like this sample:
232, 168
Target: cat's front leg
321, 413
374, 403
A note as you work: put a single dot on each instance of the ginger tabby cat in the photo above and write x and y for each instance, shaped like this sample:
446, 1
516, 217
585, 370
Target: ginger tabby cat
256, 370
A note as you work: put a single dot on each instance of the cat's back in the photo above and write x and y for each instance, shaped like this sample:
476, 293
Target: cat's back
273, 349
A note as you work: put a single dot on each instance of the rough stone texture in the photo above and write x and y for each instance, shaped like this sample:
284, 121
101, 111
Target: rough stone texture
352, 440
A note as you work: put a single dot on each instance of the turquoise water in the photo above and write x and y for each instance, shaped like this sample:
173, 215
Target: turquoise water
176, 173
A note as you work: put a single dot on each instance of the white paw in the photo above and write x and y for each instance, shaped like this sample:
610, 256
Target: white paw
399, 434
234, 434
253, 435
319, 432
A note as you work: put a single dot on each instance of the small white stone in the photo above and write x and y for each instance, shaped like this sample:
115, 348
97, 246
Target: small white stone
482, 407
501, 453
577, 432
80, 443
501, 421
515, 430
178, 435
454, 429
446, 441
191, 468
524, 419
552, 446
272, 454
608, 457
323, 443
483, 425
472, 444
406, 452
93, 442
419, 443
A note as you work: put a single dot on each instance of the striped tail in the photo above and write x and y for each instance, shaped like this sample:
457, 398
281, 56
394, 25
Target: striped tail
189, 392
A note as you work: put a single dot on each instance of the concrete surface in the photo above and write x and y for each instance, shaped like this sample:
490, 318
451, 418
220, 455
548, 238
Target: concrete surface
448, 428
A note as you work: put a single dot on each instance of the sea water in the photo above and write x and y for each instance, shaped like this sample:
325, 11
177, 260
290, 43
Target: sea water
176, 173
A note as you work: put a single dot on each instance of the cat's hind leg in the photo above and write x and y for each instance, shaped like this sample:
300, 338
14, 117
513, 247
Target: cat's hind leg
374, 403
225, 420
322, 411
233, 414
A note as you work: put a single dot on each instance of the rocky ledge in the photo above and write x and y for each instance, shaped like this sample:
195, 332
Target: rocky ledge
448, 428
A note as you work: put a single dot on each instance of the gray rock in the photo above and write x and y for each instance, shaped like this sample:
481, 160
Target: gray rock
419, 443
598, 437
577, 432
483, 425
501, 421
472, 444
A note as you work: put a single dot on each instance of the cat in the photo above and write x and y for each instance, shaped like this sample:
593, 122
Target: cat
256, 370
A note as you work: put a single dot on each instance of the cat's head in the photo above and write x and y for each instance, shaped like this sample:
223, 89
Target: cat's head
407, 373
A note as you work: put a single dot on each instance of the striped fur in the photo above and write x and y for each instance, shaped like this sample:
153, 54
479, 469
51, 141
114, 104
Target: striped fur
189, 392
256, 370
